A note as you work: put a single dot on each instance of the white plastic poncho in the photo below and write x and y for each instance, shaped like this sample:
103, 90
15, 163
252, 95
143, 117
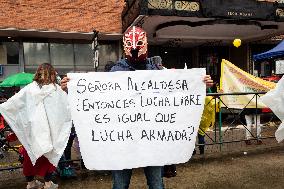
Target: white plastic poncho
274, 99
41, 119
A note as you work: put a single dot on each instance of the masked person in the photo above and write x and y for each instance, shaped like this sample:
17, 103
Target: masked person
135, 48
136, 52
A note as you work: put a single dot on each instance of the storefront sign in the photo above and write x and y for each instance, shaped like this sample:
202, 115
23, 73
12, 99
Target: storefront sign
238, 9
242, 14
174, 5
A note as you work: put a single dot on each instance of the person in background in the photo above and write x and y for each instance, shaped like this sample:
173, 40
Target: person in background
168, 171
252, 116
207, 120
37, 104
45, 74
66, 166
108, 66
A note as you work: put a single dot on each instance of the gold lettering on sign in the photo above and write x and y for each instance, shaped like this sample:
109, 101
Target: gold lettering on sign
242, 14
160, 4
187, 6
280, 12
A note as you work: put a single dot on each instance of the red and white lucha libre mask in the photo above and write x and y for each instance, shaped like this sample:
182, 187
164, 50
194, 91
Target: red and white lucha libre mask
135, 44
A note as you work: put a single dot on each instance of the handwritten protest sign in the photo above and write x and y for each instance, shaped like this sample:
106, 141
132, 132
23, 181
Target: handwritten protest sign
136, 119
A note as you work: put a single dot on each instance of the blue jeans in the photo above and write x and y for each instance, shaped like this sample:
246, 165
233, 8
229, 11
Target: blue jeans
121, 178
201, 140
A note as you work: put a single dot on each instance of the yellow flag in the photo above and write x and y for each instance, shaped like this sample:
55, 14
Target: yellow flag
233, 79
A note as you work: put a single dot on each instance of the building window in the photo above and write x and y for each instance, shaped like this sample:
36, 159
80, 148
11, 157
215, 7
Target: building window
68, 57
83, 57
108, 51
62, 55
36, 54
9, 53
210, 57
83, 54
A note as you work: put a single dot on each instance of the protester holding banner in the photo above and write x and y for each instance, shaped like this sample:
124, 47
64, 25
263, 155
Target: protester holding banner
40, 118
135, 47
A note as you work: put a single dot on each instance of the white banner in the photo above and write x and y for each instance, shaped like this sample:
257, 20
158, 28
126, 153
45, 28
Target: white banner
136, 118
274, 99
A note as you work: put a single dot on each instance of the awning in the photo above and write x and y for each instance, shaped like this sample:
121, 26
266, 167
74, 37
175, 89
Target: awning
195, 22
276, 52
33, 33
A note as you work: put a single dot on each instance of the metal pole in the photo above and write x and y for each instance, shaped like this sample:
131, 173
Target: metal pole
95, 50
257, 137
220, 127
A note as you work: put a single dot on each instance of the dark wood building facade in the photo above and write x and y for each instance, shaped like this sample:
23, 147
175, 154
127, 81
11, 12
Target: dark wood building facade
196, 32
200, 32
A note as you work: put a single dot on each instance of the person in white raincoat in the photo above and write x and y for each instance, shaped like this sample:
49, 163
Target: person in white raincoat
40, 117
274, 99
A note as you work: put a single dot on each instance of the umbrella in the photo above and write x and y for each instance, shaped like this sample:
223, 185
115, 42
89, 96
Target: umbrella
17, 80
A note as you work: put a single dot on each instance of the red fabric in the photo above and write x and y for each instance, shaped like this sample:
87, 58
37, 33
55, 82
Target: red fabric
11, 137
41, 167
266, 110
135, 38
2, 124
